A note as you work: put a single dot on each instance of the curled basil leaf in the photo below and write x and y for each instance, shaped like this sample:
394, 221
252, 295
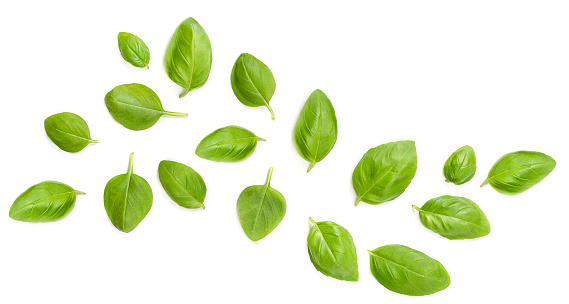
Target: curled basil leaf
182, 184
68, 131
332, 251
128, 199
454, 217
253, 82
460, 166
44, 202
134, 50
518, 171
228, 144
136, 106
407, 271
384, 172
261, 208
316, 129
188, 57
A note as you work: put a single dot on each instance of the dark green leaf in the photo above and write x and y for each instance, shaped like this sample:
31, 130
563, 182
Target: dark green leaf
228, 144
68, 131
134, 50
253, 82
183, 185
460, 166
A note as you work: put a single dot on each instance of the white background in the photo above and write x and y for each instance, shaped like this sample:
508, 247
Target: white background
490, 74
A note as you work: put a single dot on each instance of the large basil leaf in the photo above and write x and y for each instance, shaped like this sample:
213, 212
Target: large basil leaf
332, 251
128, 198
188, 57
384, 172
261, 208
183, 185
228, 144
407, 271
316, 129
518, 171
460, 166
134, 50
253, 82
136, 106
454, 217
44, 202
68, 131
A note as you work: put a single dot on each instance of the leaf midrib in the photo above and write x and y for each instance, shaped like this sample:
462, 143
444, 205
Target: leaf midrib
410, 270
328, 246
254, 86
444, 215
510, 170
70, 134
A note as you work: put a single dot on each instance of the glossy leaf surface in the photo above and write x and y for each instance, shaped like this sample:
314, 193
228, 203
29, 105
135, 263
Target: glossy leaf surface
460, 167
134, 50
228, 144
253, 82
68, 131
182, 184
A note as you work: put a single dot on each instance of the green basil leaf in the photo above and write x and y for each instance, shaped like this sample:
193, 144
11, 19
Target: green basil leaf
316, 129
460, 166
188, 57
384, 172
332, 251
228, 144
44, 202
68, 131
134, 50
518, 171
182, 184
261, 208
407, 271
128, 199
136, 106
253, 82
454, 217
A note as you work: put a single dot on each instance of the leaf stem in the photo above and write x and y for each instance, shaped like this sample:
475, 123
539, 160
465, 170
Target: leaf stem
178, 114
79, 192
271, 110
269, 176
484, 182
203, 206
186, 91
93, 141
311, 166
358, 200
130, 163
261, 139
417, 208
313, 222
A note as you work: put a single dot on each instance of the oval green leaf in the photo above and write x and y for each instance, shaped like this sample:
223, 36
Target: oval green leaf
316, 128
228, 144
68, 131
253, 82
460, 167
454, 217
518, 171
128, 199
384, 172
134, 50
261, 208
182, 184
332, 251
136, 106
407, 271
44, 202
188, 57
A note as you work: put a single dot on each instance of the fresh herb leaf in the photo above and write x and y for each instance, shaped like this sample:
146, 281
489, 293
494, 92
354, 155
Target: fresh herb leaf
253, 82
68, 131
228, 144
182, 184
134, 50
460, 167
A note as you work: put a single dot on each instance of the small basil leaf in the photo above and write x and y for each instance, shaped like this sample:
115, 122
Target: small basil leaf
44, 202
182, 184
253, 82
454, 217
384, 172
261, 208
128, 198
188, 57
68, 131
136, 106
134, 50
460, 166
407, 271
332, 251
316, 129
518, 171
228, 144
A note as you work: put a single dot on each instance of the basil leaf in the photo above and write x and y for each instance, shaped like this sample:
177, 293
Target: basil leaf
407, 271
44, 202
518, 171
460, 167
332, 251
182, 184
134, 50
68, 131
454, 217
261, 208
136, 106
228, 144
188, 57
253, 82
316, 129
128, 198
384, 172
